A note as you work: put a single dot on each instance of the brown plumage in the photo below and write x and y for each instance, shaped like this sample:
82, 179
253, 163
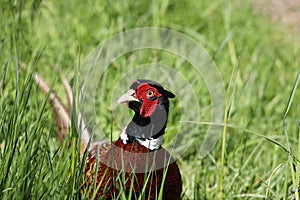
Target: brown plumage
130, 158
135, 162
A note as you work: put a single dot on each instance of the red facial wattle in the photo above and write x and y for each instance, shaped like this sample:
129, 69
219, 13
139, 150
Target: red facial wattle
149, 104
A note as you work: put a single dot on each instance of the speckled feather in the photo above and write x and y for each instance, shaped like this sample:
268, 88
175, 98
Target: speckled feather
132, 158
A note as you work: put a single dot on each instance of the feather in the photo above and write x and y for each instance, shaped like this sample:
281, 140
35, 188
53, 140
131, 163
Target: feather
62, 113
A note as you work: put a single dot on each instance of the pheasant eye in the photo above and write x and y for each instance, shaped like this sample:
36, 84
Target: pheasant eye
150, 93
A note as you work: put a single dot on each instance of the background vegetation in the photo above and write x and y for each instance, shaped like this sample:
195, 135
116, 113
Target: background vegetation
258, 60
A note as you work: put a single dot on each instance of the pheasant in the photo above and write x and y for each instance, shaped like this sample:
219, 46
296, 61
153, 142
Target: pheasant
136, 163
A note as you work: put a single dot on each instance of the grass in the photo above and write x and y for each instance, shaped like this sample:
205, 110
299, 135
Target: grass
258, 154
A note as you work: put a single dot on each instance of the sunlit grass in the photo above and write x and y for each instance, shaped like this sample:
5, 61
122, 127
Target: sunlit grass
258, 158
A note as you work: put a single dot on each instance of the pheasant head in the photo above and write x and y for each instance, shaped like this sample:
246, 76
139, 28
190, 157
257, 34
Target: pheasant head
150, 103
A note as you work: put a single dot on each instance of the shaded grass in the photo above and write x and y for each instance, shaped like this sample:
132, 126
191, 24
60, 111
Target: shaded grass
266, 60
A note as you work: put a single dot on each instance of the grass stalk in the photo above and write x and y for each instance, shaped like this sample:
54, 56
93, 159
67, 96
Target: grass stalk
292, 159
224, 135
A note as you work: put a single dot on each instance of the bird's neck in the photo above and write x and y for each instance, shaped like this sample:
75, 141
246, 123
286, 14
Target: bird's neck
148, 127
149, 143
147, 131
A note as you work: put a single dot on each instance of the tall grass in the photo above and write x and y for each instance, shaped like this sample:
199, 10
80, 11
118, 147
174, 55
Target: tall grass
293, 158
254, 159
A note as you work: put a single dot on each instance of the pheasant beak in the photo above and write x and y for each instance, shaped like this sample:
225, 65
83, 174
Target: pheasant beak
128, 97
